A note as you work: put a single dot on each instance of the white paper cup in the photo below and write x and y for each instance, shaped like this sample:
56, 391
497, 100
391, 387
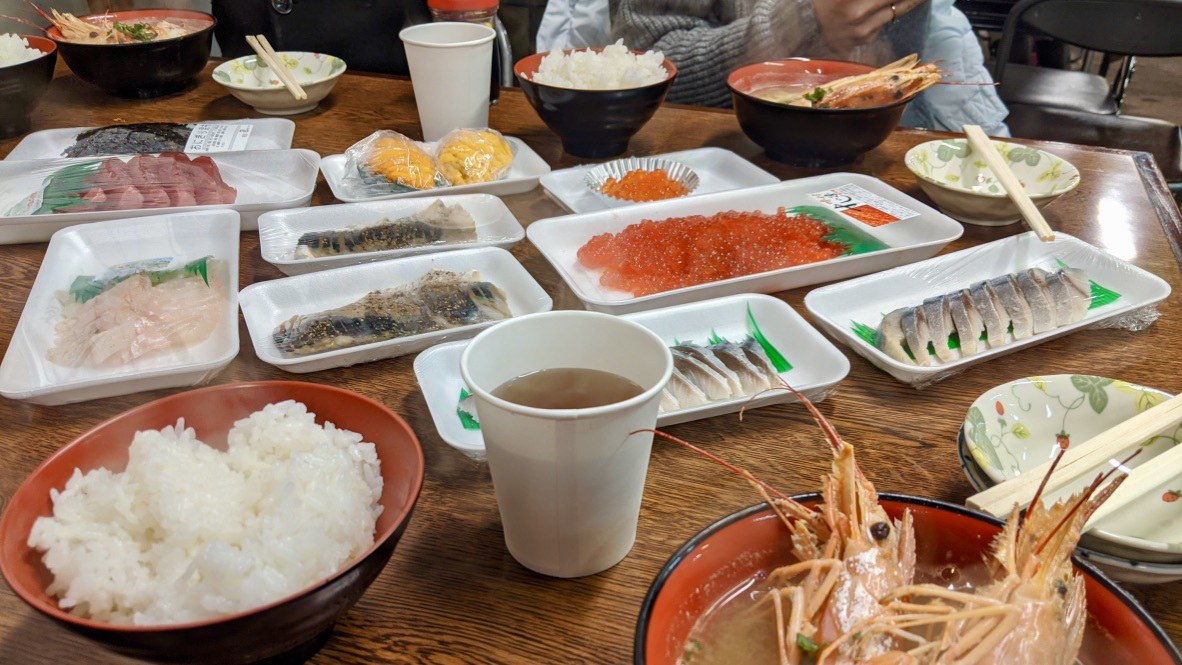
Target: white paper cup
450, 69
568, 481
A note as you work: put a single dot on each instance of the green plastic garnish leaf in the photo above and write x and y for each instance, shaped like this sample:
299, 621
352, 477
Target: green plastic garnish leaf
85, 287
778, 360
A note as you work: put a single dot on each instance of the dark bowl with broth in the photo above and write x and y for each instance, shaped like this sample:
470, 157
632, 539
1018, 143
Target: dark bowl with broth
804, 136
147, 69
702, 578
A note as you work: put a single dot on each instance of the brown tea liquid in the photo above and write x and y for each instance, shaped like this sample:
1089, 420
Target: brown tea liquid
567, 388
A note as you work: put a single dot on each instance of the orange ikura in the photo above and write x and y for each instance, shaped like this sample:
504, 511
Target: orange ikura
656, 256
640, 185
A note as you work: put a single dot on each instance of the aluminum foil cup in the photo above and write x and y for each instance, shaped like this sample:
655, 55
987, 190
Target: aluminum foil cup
597, 176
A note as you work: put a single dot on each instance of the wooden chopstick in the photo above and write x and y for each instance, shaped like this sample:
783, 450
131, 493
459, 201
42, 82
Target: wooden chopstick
1086, 458
1030, 212
268, 55
1139, 481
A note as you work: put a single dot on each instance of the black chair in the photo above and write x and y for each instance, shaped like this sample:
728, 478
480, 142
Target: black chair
1080, 107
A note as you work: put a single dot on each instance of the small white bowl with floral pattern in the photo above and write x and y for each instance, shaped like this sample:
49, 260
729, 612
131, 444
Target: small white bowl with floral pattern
963, 187
1018, 425
252, 82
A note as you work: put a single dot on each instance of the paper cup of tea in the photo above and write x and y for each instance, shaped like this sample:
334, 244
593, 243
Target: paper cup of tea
450, 65
568, 481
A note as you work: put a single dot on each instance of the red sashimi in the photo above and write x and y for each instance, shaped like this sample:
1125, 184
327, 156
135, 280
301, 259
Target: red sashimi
657, 256
145, 181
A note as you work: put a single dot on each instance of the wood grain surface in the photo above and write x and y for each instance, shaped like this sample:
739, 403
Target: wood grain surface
452, 593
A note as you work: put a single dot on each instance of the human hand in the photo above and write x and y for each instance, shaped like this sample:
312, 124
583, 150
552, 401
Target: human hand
849, 23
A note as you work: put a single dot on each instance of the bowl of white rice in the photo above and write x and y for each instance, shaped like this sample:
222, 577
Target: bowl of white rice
596, 99
26, 68
229, 524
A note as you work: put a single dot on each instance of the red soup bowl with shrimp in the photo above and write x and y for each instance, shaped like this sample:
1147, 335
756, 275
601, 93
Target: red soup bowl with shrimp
713, 575
289, 629
802, 135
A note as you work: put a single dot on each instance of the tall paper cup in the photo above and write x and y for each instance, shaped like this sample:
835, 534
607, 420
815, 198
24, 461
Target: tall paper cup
568, 481
450, 65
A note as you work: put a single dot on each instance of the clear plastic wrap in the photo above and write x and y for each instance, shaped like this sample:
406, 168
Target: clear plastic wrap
96, 324
40, 196
156, 137
320, 237
387, 162
1016, 292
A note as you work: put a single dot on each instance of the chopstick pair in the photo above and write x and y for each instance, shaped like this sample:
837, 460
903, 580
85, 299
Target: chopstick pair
1091, 457
262, 47
1030, 212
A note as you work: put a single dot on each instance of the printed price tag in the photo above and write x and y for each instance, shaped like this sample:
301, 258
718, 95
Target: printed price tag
218, 137
857, 203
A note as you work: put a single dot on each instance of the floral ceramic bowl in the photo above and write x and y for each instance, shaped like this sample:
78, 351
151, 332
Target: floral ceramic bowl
253, 82
1021, 424
963, 186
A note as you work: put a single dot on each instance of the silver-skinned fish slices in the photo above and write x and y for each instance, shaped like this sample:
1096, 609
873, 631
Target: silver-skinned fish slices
969, 324
1021, 319
1032, 285
889, 336
703, 374
915, 331
1070, 299
707, 357
713, 384
940, 326
992, 315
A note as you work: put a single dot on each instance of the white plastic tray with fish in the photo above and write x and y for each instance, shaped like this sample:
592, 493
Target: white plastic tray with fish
867, 299
522, 176
911, 239
280, 231
26, 372
265, 180
817, 365
265, 305
718, 170
265, 134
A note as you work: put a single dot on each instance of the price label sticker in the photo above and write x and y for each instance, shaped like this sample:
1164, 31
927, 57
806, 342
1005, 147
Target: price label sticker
857, 203
218, 137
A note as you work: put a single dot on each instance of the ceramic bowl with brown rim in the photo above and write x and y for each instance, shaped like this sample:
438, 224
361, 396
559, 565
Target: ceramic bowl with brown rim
290, 628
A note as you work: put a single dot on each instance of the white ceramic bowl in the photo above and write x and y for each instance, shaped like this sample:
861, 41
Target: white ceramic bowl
253, 83
963, 186
1016, 426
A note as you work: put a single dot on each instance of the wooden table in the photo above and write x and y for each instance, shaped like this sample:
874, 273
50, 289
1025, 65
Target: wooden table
452, 593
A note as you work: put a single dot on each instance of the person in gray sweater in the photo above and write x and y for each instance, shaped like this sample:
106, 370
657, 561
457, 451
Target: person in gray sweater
708, 39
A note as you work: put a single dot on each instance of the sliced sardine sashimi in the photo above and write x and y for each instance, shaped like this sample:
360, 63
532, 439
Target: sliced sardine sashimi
940, 326
915, 331
704, 374
710, 382
1071, 304
1021, 320
889, 336
1032, 285
969, 325
994, 318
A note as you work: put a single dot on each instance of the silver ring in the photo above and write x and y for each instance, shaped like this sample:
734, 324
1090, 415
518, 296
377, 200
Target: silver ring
894, 14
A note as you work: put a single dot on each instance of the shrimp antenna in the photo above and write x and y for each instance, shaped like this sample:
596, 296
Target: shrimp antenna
717, 460
829, 430
1050, 472
1087, 495
21, 20
37, 9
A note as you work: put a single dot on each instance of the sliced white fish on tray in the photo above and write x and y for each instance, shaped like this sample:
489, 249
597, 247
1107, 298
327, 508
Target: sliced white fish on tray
721, 371
1012, 302
969, 325
1024, 303
1031, 285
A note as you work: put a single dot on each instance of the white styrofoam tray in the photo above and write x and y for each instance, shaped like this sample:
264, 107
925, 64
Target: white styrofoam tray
915, 238
265, 134
265, 305
867, 299
280, 230
522, 176
265, 180
27, 374
718, 170
817, 365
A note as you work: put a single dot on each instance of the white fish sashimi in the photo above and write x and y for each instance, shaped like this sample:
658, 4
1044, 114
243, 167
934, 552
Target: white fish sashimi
889, 337
710, 382
1032, 286
1014, 305
752, 379
992, 315
757, 357
915, 331
969, 325
1071, 304
682, 393
707, 357
940, 326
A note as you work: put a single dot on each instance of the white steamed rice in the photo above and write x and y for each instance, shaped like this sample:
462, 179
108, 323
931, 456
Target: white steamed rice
614, 68
15, 49
190, 533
